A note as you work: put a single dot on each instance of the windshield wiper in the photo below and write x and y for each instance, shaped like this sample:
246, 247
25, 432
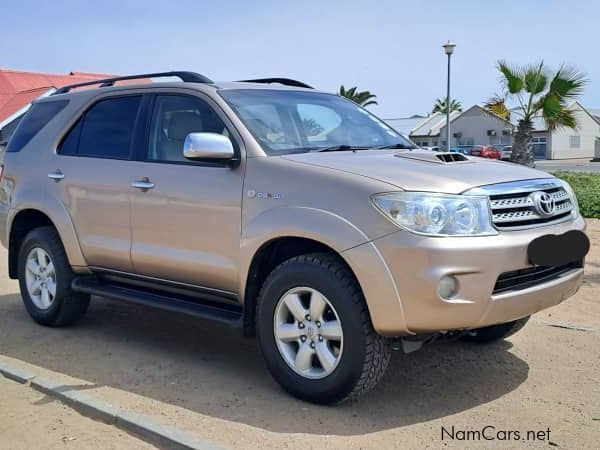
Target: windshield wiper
398, 147
339, 148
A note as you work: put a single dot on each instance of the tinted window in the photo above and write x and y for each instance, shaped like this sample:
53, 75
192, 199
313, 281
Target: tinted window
71, 141
107, 129
38, 115
173, 118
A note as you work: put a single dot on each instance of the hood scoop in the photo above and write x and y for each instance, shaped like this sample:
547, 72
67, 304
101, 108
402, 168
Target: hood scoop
435, 157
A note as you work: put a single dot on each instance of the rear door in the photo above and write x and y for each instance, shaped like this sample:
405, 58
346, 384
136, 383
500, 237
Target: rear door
92, 176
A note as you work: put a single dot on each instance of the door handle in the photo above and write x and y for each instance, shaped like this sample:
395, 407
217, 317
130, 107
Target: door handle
57, 175
143, 184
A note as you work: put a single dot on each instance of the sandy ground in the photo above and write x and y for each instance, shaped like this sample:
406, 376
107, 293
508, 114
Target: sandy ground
206, 379
30, 420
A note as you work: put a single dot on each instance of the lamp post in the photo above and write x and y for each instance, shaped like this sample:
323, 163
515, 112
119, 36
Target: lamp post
448, 49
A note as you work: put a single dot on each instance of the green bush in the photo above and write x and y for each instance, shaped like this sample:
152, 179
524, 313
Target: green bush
587, 189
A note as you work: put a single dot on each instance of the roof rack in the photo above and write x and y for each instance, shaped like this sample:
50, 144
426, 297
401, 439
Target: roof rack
284, 81
188, 77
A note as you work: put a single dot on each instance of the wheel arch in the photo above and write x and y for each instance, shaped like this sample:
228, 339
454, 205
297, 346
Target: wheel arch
28, 218
267, 257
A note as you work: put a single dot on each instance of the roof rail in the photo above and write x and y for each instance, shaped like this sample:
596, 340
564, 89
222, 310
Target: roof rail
284, 81
188, 77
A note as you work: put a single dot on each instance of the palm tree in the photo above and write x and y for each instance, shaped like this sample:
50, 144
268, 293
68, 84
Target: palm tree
497, 105
540, 94
440, 106
312, 127
363, 98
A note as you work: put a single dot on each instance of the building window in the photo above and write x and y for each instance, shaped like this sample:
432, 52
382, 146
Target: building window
539, 146
575, 141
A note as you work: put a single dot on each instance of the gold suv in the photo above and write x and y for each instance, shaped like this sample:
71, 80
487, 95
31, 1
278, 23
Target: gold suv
293, 214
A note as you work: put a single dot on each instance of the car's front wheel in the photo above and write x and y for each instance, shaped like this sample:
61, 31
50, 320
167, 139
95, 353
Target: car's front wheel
315, 331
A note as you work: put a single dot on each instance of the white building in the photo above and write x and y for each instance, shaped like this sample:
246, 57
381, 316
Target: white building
566, 143
476, 126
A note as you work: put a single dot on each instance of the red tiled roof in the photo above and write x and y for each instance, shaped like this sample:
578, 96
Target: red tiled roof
18, 89
9, 104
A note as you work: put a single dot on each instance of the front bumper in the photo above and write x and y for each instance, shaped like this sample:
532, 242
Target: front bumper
417, 263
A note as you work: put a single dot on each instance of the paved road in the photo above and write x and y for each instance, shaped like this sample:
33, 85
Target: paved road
207, 380
570, 165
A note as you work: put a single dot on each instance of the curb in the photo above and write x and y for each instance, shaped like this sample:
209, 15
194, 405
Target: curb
161, 435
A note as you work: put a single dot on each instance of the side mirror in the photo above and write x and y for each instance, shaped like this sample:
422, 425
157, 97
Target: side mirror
207, 146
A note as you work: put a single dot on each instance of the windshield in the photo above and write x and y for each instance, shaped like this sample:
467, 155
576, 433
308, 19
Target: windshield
296, 121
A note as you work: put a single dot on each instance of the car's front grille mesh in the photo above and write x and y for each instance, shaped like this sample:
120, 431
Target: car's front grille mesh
517, 209
523, 278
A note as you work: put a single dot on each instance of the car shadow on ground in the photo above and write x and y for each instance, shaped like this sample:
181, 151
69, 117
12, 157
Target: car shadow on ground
210, 369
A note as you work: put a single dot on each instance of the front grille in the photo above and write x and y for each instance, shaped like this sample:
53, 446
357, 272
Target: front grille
524, 278
513, 204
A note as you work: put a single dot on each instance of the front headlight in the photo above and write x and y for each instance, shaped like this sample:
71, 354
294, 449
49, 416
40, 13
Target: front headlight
437, 214
571, 192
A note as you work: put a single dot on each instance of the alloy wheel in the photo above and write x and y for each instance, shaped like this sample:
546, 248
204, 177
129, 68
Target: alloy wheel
308, 332
40, 278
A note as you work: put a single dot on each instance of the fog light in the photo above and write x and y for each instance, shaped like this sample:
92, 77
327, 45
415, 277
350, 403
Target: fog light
448, 287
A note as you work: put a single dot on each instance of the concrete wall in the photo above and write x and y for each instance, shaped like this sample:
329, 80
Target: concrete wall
474, 124
560, 145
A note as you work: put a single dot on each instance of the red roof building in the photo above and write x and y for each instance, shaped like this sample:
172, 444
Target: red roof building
18, 89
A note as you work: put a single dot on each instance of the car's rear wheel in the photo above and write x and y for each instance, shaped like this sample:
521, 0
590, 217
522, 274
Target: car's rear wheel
45, 277
315, 332
496, 332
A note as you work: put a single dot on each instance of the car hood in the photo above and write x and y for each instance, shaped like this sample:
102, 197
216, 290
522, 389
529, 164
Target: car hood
420, 170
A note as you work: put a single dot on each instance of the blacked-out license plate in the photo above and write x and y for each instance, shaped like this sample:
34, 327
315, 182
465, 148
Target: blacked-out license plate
556, 250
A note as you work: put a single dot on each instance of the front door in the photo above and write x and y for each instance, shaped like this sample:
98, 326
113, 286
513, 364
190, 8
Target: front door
187, 226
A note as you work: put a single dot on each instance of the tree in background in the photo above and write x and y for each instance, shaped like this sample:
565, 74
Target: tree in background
363, 98
440, 106
497, 105
540, 93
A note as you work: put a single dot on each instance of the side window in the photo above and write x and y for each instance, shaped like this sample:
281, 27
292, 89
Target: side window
34, 120
173, 118
105, 131
71, 140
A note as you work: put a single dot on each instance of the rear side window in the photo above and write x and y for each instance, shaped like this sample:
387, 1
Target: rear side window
34, 120
105, 131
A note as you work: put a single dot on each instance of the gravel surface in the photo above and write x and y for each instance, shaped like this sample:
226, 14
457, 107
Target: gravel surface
206, 379
30, 420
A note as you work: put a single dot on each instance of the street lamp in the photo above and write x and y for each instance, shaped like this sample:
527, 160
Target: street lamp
448, 49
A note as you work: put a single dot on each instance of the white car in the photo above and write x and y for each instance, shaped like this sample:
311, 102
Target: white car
505, 152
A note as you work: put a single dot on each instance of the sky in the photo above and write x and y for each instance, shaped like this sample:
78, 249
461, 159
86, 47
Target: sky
391, 48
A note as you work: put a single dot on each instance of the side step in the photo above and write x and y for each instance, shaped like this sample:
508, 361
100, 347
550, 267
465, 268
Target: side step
224, 313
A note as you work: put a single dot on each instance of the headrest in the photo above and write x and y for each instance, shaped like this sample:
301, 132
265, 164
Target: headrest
182, 123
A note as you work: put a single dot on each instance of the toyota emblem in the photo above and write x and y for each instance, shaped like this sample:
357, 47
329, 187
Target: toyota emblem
543, 203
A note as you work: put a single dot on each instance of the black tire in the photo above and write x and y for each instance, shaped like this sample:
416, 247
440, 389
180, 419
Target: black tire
68, 306
366, 354
496, 332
